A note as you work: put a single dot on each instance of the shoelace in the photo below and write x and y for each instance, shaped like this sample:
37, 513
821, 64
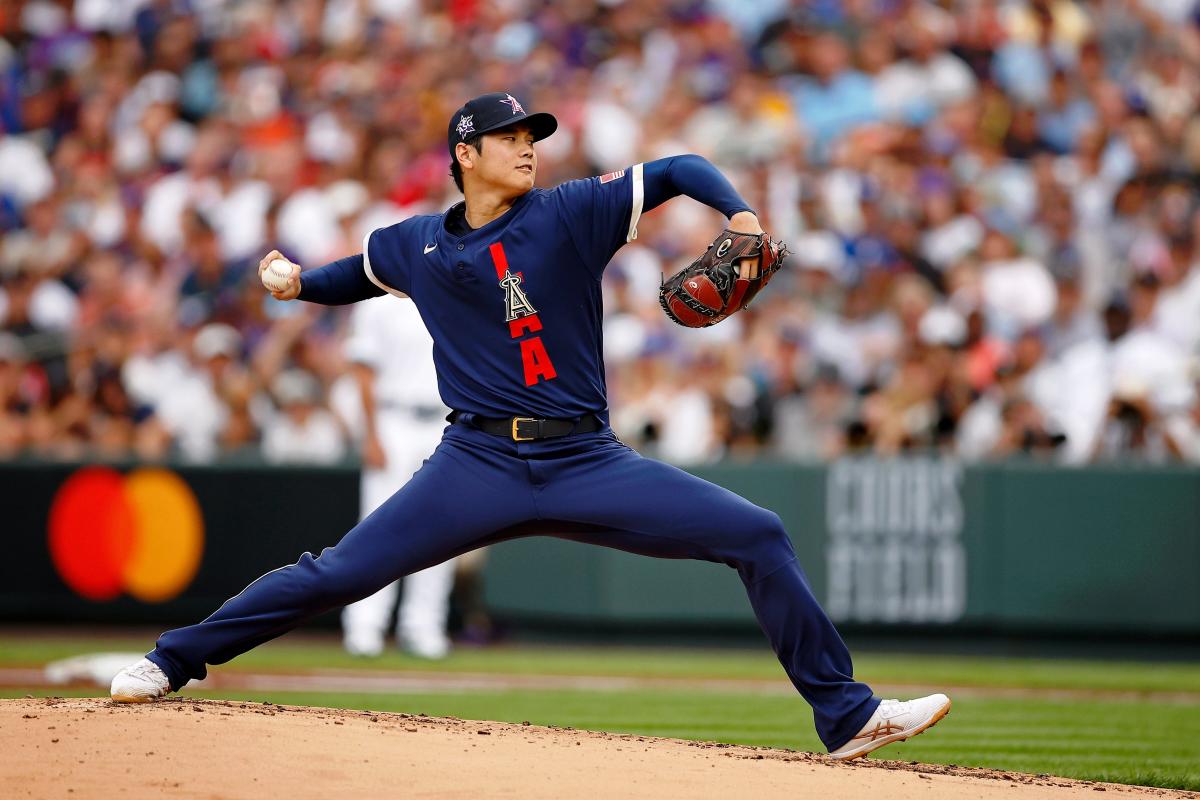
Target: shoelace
893, 708
145, 669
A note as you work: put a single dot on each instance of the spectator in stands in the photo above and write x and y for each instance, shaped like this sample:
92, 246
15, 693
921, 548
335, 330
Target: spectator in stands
195, 409
303, 432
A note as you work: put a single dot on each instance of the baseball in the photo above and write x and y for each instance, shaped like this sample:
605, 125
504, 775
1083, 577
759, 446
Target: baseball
275, 276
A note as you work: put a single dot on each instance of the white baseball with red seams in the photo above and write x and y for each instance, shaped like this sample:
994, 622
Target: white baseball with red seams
275, 276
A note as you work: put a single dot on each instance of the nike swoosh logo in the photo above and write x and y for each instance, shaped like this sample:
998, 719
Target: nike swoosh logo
429, 248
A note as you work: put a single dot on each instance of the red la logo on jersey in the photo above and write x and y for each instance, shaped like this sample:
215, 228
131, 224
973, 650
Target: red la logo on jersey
522, 319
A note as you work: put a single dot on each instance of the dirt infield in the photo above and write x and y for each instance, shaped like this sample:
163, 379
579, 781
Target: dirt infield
90, 748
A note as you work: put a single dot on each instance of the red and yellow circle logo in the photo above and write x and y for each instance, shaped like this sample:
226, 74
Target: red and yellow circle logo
140, 533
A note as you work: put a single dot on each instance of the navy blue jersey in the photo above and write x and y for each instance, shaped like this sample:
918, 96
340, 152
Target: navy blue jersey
514, 307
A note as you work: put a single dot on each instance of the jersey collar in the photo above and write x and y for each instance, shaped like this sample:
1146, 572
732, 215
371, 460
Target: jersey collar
459, 209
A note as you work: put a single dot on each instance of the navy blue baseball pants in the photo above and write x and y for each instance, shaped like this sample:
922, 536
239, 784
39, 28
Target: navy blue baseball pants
477, 488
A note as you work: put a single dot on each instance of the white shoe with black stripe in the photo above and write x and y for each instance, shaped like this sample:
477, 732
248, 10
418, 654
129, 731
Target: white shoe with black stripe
894, 721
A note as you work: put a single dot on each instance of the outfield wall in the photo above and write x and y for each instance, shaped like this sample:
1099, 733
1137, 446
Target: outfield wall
886, 543
915, 542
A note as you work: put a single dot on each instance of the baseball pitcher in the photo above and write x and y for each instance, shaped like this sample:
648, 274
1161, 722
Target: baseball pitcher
508, 284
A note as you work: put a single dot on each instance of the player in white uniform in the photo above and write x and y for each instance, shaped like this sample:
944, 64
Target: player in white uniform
402, 422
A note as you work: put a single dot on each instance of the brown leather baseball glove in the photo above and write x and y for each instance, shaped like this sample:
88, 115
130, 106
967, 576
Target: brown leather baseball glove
723, 280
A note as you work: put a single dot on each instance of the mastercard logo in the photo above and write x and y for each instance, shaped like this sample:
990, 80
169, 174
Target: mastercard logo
140, 534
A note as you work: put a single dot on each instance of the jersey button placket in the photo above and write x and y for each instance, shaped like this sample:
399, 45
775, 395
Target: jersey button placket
461, 272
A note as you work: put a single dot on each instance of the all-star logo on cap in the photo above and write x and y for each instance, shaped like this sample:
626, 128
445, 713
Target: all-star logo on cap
491, 112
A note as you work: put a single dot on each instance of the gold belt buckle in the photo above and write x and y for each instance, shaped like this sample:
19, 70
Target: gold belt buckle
516, 421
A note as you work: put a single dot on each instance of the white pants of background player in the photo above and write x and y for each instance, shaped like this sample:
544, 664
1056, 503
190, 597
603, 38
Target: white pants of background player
407, 439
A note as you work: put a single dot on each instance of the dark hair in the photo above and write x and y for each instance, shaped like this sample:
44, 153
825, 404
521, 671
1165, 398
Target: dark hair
455, 168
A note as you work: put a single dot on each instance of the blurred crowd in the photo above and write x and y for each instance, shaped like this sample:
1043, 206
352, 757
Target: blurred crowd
991, 206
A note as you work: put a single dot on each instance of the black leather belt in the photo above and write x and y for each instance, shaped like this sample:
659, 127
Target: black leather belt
529, 429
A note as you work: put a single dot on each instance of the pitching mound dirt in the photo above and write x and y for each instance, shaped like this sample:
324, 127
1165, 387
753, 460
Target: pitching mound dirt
90, 748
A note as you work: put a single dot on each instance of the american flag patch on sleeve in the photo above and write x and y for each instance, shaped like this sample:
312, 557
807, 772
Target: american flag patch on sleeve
612, 176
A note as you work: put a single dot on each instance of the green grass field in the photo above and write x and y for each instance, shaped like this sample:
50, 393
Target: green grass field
1115, 721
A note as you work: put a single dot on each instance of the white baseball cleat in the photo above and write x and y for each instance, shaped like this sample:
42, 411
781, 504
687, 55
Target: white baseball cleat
363, 645
433, 648
142, 682
894, 721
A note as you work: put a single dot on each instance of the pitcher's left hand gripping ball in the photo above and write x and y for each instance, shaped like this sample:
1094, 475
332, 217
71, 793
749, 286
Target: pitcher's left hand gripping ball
723, 280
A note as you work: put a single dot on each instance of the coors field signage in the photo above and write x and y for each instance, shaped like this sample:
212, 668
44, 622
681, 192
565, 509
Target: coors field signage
895, 550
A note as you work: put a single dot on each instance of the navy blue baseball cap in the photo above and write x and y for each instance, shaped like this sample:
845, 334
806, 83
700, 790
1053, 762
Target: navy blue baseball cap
493, 111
